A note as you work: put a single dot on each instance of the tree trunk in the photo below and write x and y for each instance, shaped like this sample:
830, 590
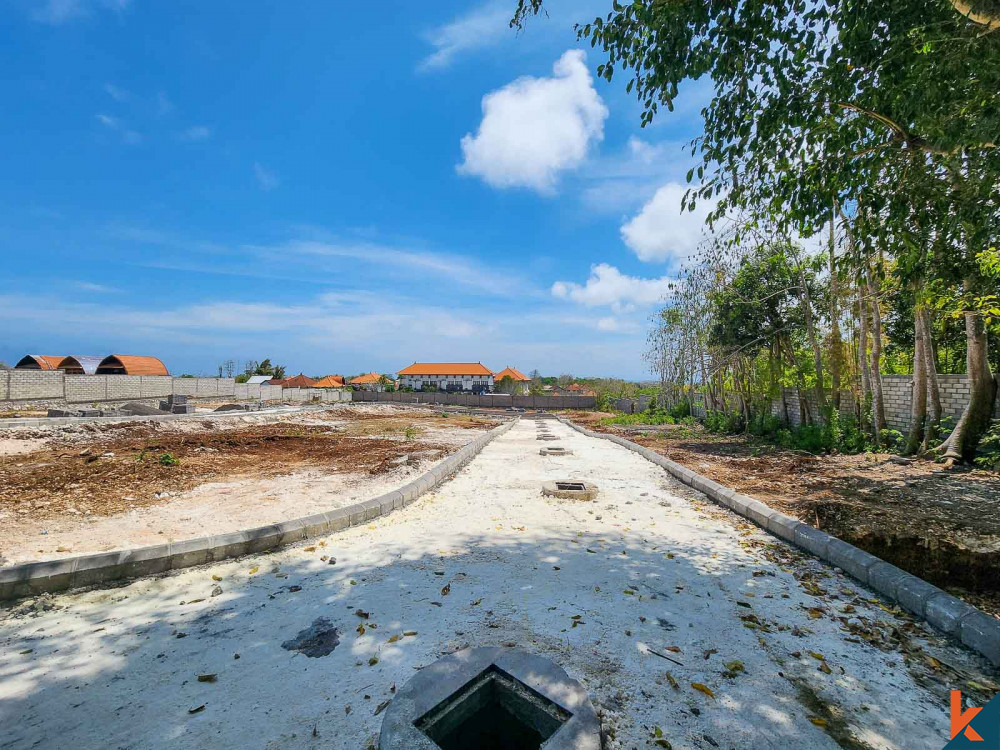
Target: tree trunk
863, 366
933, 386
806, 302
836, 345
975, 420
918, 397
878, 408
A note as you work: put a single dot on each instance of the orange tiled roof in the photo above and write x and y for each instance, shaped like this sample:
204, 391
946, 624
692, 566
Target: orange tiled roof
330, 381
298, 381
446, 368
366, 379
513, 373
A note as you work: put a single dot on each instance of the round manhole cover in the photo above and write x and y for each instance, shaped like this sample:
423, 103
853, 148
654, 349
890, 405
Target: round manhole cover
570, 489
491, 697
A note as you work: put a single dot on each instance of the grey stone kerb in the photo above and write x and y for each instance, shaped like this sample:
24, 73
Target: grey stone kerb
974, 628
445, 677
87, 570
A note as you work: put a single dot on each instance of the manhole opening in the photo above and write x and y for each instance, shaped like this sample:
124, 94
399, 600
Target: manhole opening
578, 486
493, 711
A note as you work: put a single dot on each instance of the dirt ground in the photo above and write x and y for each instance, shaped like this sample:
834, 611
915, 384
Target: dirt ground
99, 486
942, 525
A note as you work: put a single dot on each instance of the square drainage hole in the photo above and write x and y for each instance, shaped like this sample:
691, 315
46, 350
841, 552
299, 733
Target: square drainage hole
579, 486
493, 711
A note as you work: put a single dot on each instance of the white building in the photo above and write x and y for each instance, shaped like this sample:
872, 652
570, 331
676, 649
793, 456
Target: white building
471, 377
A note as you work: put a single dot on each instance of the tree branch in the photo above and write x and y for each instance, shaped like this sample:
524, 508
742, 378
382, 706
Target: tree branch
983, 17
902, 135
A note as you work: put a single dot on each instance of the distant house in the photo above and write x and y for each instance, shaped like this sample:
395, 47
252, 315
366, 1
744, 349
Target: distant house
521, 381
39, 362
298, 381
576, 389
371, 381
471, 377
259, 380
330, 381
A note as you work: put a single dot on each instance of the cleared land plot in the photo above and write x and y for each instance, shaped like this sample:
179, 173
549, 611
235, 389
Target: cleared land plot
674, 614
940, 524
106, 486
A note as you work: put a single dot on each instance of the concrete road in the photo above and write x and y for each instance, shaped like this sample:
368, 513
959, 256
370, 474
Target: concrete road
684, 622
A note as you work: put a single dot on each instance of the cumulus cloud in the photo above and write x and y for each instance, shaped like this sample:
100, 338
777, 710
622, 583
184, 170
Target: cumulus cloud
609, 287
661, 232
480, 27
535, 128
266, 179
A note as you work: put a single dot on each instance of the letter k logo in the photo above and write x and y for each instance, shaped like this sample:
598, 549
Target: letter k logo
960, 721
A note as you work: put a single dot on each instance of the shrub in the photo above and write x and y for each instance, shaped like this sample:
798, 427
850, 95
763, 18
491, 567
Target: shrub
988, 455
168, 459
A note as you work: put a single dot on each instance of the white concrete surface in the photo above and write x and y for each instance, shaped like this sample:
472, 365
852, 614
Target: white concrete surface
106, 669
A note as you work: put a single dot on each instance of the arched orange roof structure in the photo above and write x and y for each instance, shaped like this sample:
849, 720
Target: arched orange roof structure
38, 362
127, 364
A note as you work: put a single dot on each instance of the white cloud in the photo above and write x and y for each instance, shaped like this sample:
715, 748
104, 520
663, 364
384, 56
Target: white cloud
56, 12
660, 232
88, 286
535, 128
129, 136
265, 178
108, 121
196, 133
609, 287
116, 93
481, 27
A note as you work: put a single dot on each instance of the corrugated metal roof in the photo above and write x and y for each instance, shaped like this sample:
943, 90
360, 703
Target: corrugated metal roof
513, 373
258, 379
131, 365
84, 363
446, 368
38, 362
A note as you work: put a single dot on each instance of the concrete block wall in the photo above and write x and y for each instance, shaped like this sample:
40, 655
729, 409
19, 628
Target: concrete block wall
23, 385
489, 400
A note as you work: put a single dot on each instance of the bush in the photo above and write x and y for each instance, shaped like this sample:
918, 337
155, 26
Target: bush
168, 459
723, 422
988, 454
680, 410
643, 417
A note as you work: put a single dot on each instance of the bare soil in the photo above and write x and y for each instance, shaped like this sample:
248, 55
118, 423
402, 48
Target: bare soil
940, 524
181, 478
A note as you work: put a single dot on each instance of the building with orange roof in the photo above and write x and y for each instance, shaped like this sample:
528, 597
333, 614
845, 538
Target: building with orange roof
130, 364
472, 377
330, 381
519, 379
371, 381
46, 362
297, 381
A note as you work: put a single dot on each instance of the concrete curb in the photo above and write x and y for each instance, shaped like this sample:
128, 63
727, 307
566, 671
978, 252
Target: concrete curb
974, 628
86, 570
14, 422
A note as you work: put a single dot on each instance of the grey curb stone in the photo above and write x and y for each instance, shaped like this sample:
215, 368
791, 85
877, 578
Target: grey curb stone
263, 538
51, 575
339, 519
783, 526
91, 569
315, 525
977, 630
912, 593
144, 561
294, 530
946, 612
883, 577
231, 544
190, 552
849, 558
982, 633
812, 540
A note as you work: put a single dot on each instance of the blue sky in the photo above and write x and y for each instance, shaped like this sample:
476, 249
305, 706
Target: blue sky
335, 189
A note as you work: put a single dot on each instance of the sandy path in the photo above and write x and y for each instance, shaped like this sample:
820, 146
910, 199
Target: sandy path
647, 565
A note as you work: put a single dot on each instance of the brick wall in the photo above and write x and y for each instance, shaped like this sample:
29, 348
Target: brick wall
56, 387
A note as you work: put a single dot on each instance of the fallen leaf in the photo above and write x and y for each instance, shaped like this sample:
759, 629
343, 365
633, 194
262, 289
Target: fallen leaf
410, 633
373, 661
735, 666
381, 707
674, 649
254, 569
216, 578
703, 689
309, 549
362, 614
824, 668
628, 592
818, 657
196, 709
446, 590
208, 678
672, 681
394, 639
818, 721
476, 603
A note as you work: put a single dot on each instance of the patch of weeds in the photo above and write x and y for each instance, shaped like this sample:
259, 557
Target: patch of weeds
411, 432
168, 459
